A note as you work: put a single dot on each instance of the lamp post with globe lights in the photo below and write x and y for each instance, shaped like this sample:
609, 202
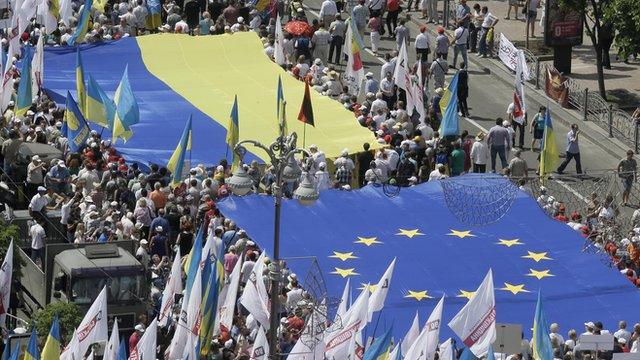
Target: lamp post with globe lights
282, 157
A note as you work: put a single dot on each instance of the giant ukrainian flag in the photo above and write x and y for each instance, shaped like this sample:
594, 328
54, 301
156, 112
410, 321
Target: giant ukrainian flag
171, 79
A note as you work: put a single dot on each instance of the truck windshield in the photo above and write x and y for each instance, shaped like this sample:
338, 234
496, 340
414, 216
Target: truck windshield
121, 288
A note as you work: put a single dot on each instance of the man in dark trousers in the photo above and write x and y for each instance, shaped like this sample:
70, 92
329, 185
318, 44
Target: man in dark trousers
364, 158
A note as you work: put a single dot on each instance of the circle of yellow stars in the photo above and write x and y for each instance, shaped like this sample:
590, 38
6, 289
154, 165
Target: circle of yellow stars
420, 295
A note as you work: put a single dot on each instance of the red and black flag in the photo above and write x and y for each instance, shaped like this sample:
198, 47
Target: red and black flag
306, 111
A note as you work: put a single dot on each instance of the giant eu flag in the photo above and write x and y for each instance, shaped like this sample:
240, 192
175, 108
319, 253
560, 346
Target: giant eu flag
355, 234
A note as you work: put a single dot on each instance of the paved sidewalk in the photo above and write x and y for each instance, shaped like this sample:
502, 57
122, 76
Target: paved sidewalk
622, 81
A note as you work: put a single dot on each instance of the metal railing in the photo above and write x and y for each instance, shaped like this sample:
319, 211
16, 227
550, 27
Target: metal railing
592, 107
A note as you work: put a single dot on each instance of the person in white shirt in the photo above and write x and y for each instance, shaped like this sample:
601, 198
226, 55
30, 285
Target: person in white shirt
247, 267
438, 173
479, 154
461, 35
255, 21
38, 235
421, 44
555, 336
38, 203
322, 179
622, 332
379, 103
373, 175
328, 11
317, 156
344, 160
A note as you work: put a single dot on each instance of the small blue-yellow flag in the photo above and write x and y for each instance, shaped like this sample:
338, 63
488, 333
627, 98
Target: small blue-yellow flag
176, 162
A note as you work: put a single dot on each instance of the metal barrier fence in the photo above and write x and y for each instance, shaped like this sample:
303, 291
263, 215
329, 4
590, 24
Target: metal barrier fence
592, 107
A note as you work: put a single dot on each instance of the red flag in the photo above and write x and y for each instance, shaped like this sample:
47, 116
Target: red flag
306, 111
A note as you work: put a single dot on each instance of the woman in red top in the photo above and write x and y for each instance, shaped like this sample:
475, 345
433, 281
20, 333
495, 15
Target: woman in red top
393, 10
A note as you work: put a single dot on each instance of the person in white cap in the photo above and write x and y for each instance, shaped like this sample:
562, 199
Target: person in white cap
239, 25
135, 337
344, 160
371, 85
35, 175
322, 179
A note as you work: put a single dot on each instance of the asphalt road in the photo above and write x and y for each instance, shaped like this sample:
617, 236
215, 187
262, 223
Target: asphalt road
488, 99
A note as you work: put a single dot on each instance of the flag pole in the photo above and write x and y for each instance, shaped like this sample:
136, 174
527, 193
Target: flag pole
304, 136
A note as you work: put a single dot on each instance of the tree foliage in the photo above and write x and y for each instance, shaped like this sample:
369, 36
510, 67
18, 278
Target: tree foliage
69, 314
8, 233
625, 17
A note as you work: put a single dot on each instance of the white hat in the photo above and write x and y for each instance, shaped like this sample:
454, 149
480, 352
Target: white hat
344, 152
62, 164
318, 61
139, 328
11, 103
622, 340
30, 113
114, 203
158, 228
240, 19
590, 324
42, 188
143, 242
35, 158
369, 74
439, 166
38, 129
228, 344
94, 132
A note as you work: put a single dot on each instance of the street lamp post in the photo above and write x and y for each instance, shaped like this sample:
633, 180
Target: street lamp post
281, 154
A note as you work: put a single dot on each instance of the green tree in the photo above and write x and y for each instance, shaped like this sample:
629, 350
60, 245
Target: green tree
625, 17
9, 232
69, 314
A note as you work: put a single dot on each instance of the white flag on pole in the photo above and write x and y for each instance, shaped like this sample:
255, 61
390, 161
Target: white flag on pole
402, 77
353, 48
446, 350
173, 288
5, 284
92, 329
376, 301
254, 297
66, 11
260, 350
344, 301
146, 347
278, 54
475, 324
227, 299
310, 345
424, 347
412, 334
519, 105
418, 93
338, 338
37, 68
111, 351
189, 314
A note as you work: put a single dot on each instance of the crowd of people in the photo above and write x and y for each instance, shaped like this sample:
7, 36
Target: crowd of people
102, 197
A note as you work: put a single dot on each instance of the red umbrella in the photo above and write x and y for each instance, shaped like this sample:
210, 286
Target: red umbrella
298, 28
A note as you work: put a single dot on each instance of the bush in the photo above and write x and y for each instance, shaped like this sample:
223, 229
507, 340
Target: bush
69, 314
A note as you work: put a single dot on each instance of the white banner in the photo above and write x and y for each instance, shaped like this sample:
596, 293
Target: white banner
508, 54
5, 284
92, 329
475, 324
